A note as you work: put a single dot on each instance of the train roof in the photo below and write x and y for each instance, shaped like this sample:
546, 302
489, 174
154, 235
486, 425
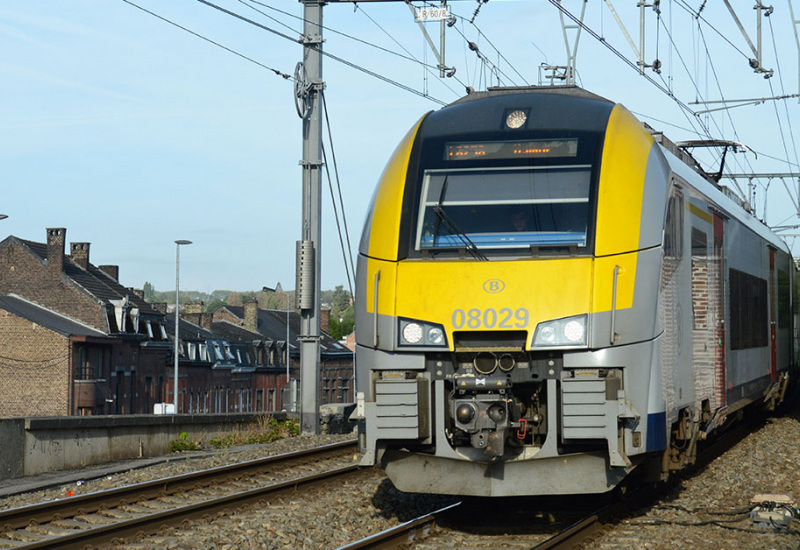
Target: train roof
726, 204
556, 108
570, 91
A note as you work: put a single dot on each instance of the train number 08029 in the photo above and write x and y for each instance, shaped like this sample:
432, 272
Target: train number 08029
490, 318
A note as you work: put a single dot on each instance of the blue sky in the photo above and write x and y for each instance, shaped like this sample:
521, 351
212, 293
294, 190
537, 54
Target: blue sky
132, 133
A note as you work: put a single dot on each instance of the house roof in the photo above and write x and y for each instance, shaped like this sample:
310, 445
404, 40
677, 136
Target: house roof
94, 280
234, 333
271, 325
46, 317
188, 330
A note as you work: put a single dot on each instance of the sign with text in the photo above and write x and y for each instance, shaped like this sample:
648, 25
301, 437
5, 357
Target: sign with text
433, 14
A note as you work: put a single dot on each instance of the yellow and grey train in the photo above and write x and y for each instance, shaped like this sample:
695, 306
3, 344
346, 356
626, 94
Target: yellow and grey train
550, 294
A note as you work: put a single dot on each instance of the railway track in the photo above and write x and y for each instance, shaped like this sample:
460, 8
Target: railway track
430, 531
100, 518
564, 530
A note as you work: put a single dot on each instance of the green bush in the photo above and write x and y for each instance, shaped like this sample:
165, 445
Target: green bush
266, 430
182, 444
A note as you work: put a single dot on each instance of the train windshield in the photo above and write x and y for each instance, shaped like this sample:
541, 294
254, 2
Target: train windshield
504, 208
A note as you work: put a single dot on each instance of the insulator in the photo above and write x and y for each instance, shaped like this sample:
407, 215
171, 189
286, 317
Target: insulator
304, 296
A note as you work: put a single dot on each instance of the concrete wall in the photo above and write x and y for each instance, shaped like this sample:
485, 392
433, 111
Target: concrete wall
37, 445
12, 447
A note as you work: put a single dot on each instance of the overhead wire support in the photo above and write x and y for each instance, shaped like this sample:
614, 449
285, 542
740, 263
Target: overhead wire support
795, 24
627, 61
572, 53
762, 10
739, 102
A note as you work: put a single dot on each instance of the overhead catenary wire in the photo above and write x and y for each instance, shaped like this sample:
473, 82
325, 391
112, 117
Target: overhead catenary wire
323, 52
344, 241
722, 95
783, 92
428, 67
286, 76
409, 57
628, 62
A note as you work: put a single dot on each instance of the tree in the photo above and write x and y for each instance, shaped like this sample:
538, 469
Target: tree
340, 300
341, 324
149, 292
235, 299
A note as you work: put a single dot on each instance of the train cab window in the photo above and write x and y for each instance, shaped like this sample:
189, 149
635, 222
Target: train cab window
673, 226
504, 208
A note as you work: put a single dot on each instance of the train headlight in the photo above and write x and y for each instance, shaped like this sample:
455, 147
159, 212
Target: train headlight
412, 333
574, 331
419, 333
436, 336
570, 331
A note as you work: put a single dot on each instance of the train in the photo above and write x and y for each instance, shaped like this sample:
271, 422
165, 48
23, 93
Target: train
551, 296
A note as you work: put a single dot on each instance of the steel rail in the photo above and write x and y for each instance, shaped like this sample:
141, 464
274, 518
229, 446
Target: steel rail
578, 531
152, 523
19, 518
403, 533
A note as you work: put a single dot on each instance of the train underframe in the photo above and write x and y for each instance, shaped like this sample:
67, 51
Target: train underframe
503, 423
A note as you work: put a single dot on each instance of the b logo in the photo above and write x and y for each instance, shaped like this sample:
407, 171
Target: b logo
493, 286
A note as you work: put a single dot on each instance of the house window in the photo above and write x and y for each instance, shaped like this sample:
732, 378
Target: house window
271, 399
89, 363
192, 351
149, 329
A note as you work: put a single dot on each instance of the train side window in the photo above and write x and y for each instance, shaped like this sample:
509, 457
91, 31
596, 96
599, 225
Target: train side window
699, 242
673, 226
784, 298
749, 307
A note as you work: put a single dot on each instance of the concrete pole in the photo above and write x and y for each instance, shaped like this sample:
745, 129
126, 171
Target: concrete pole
312, 213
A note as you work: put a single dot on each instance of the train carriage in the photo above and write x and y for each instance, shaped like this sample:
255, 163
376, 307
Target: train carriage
549, 295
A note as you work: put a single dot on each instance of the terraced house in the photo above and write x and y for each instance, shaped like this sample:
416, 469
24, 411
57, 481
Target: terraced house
74, 341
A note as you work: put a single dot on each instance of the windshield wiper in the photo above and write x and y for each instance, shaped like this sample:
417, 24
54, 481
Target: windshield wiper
456, 232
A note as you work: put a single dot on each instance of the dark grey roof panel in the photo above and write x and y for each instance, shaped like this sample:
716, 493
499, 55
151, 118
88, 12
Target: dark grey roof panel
46, 318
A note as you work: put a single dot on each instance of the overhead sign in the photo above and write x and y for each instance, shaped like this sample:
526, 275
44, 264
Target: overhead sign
432, 14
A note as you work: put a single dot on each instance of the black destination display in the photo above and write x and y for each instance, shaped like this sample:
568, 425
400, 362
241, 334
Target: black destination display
500, 150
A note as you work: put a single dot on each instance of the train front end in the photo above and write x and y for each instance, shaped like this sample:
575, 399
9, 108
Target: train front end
506, 290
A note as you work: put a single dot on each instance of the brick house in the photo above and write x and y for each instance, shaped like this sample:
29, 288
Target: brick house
266, 330
74, 341
103, 346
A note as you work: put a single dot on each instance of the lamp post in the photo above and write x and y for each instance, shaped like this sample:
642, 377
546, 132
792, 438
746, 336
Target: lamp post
3, 216
178, 244
286, 304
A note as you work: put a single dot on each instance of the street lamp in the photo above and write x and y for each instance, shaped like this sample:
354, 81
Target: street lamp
3, 216
178, 244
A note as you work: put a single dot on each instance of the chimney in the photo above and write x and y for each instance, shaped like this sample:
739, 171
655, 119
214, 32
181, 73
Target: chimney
325, 320
205, 320
160, 307
80, 254
251, 315
56, 238
110, 270
193, 307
